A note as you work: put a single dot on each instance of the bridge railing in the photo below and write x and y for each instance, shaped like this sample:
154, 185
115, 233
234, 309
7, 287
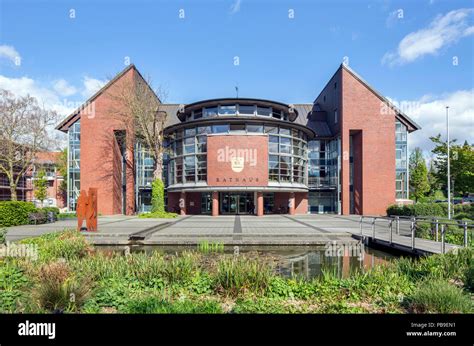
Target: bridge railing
438, 228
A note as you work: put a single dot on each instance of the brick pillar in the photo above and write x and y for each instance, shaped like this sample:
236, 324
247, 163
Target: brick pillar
215, 203
291, 204
259, 203
182, 203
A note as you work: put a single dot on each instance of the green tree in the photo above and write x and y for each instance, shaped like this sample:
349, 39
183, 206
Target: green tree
462, 165
419, 185
62, 170
41, 186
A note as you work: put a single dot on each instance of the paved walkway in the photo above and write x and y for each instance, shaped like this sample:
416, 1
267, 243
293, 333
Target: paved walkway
237, 230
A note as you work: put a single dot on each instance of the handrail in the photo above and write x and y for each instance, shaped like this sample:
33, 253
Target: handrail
444, 223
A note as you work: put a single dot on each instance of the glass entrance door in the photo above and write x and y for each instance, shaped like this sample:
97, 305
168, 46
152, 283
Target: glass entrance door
236, 203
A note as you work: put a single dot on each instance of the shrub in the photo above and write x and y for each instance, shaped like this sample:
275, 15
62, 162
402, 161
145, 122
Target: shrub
158, 215
239, 274
57, 289
14, 213
158, 196
12, 283
3, 234
438, 296
53, 210
181, 269
68, 244
158, 305
469, 277
417, 209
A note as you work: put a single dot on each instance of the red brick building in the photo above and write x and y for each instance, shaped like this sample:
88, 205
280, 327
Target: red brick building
344, 153
56, 196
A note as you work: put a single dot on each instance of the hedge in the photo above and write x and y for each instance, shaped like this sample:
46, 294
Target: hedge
429, 209
14, 213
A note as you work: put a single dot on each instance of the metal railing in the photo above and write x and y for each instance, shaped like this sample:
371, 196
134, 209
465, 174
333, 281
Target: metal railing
438, 228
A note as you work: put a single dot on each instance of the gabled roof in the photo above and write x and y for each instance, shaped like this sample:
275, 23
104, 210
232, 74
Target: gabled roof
71, 118
405, 119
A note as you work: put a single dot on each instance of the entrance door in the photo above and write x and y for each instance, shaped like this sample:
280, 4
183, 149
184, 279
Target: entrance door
236, 203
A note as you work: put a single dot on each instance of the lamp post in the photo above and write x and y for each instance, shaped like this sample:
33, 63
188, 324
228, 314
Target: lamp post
448, 163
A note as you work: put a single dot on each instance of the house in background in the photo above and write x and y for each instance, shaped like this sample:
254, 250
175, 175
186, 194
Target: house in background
56, 196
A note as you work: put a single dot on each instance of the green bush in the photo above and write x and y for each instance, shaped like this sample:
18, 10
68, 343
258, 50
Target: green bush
158, 215
469, 277
158, 196
240, 274
14, 213
438, 296
3, 234
417, 209
158, 305
68, 244
58, 289
67, 215
54, 210
12, 283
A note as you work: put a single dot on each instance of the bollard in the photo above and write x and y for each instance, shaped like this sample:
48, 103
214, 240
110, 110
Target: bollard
436, 228
443, 248
397, 218
391, 229
465, 233
360, 225
373, 228
412, 229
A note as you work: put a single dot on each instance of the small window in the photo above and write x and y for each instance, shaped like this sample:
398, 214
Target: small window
276, 114
335, 116
265, 111
324, 98
255, 128
210, 112
335, 85
246, 110
197, 114
227, 110
220, 128
237, 127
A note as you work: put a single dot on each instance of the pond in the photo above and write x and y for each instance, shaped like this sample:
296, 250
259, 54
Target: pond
291, 261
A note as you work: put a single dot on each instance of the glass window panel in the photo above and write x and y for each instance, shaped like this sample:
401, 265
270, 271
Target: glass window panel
210, 112
265, 111
237, 127
246, 110
227, 110
285, 131
255, 128
271, 129
276, 114
204, 130
220, 128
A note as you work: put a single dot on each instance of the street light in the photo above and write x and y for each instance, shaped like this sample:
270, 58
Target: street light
448, 163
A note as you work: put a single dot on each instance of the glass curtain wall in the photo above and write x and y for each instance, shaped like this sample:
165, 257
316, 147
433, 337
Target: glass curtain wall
74, 165
401, 160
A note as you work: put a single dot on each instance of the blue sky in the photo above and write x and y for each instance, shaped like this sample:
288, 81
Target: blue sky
405, 49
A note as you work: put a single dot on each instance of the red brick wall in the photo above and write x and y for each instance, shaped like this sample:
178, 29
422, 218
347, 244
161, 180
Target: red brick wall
173, 202
218, 170
100, 160
362, 110
301, 202
193, 198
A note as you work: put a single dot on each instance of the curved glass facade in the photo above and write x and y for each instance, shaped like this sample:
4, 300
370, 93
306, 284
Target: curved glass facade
287, 157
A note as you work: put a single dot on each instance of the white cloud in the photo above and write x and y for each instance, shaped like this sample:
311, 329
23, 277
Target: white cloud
430, 114
63, 88
91, 86
441, 32
10, 53
235, 7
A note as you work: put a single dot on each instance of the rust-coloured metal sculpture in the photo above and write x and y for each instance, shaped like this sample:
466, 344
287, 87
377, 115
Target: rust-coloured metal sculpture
87, 210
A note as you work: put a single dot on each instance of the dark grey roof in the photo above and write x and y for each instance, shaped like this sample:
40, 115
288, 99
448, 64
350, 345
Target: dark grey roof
171, 111
315, 120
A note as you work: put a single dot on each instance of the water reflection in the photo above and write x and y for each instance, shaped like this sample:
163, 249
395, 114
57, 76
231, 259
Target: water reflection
296, 261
